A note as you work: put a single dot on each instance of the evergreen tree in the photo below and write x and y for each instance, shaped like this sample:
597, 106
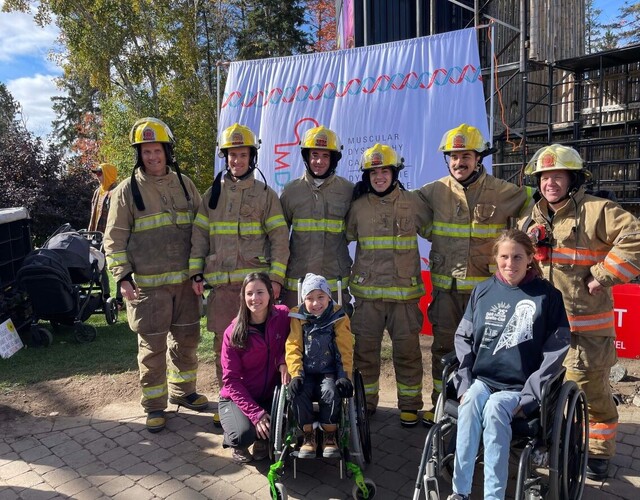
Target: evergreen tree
593, 27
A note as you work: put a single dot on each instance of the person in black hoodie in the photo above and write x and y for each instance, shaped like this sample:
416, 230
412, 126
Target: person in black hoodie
513, 337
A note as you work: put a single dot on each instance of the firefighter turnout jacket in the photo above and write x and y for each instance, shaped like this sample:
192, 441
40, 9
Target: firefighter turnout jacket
245, 233
463, 223
316, 216
387, 262
153, 244
588, 236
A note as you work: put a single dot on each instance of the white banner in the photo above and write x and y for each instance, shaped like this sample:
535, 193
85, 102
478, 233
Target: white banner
405, 94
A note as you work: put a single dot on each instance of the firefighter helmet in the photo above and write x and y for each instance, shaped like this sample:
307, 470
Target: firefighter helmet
237, 136
463, 138
150, 129
555, 157
379, 156
321, 138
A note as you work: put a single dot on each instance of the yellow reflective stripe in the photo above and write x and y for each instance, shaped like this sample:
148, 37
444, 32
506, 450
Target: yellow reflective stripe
196, 264
409, 390
153, 392
274, 222
278, 269
437, 385
371, 389
388, 293
250, 228
318, 225
202, 222
216, 227
117, 259
469, 282
292, 284
178, 377
441, 281
170, 278
161, 220
388, 242
237, 276
467, 230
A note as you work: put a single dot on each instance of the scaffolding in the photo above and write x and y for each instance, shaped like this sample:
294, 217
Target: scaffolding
543, 89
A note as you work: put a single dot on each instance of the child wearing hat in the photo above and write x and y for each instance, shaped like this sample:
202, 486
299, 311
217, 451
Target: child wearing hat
319, 355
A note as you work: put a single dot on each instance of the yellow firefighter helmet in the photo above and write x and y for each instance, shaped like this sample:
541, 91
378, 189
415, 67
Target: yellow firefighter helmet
463, 138
150, 130
321, 138
380, 155
555, 157
237, 136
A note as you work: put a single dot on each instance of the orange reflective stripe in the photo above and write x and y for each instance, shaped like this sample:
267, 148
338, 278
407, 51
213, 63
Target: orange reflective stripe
577, 256
588, 322
620, 268
603, 432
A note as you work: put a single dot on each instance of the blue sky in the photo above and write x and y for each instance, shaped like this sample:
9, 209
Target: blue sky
28, 73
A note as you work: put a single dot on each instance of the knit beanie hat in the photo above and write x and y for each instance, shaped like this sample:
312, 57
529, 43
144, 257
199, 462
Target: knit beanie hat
314, 282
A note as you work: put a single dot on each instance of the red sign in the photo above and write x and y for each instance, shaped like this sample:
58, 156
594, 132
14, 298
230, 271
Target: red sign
626, 311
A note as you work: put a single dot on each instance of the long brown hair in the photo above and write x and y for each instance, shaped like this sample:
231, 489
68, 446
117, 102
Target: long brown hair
241, 329
523, 239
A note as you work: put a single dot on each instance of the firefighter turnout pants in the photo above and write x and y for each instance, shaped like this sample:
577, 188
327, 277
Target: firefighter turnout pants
403, 321
445, 313
223, 304
589, 363
167, 321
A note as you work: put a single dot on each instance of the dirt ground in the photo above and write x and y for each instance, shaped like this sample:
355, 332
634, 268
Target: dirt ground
82, 395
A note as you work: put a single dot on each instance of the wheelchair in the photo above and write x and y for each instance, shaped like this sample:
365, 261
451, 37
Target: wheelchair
555, 439
354, 441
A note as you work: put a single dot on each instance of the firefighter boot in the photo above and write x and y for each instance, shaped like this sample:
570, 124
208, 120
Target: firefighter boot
329, 445
308, 448
193, 401
156, 421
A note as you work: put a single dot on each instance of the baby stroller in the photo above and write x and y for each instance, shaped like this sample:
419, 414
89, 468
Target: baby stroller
64, 282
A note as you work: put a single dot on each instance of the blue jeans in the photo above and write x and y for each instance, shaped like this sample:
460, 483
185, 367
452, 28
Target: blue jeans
485, 415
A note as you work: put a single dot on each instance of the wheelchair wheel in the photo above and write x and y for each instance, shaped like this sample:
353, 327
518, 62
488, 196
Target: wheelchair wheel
362, 417
279, 421
281, 492
111, 311
569, 444
40, 337
371, 488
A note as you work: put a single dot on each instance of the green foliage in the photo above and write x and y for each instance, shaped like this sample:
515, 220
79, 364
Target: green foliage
271, 28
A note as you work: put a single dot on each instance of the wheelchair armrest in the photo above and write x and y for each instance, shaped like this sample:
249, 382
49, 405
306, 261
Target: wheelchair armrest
450, 360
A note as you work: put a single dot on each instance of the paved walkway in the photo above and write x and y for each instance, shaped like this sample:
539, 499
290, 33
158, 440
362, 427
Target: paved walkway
111, 455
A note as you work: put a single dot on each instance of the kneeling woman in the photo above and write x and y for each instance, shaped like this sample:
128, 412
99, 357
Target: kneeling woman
513, 337
252, 365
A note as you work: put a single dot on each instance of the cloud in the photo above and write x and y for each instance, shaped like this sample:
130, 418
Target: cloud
20, 36
34, 94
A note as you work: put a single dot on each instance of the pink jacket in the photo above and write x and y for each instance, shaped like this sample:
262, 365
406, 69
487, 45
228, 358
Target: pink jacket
251, 374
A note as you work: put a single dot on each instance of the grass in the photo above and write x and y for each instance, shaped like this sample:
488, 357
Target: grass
113, 351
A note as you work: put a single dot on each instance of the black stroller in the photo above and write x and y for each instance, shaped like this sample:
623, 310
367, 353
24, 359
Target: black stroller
64, 280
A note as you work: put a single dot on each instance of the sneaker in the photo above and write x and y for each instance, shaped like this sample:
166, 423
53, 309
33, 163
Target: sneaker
309, 445
429, 417
408, 418
156, 421
193, 401
260, 449
597, 468
457, 496
329, 445
241, 456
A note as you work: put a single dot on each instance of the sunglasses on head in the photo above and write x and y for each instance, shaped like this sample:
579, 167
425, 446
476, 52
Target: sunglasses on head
97, 172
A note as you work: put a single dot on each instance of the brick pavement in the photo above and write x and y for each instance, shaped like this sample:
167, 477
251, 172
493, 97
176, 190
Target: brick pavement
111, 455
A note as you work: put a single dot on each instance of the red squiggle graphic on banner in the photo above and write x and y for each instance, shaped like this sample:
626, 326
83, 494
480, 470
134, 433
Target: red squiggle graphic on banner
283, 169
355, 86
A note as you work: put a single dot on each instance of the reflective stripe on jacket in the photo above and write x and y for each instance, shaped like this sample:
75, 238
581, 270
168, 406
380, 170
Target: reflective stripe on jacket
464, 223
590, 236
245, 233
155, 243
316, 216
387, 262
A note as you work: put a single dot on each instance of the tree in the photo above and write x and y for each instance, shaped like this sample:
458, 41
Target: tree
609, 40
270, 28
593, 27
322, 20
627, 26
